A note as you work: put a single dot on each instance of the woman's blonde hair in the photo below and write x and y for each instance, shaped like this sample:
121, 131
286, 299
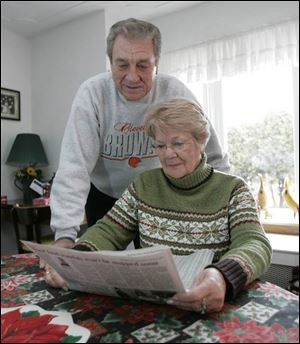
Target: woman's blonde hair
180, 114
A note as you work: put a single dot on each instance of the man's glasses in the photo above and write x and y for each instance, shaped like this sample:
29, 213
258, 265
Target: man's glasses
176, 146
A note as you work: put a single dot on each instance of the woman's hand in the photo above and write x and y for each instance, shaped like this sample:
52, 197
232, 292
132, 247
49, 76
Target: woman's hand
54, 279
51, 276
67, 243
207, 293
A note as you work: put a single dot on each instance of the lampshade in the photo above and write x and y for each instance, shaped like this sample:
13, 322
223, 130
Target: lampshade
27, 150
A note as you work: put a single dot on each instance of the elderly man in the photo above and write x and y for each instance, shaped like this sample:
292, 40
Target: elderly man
104, 146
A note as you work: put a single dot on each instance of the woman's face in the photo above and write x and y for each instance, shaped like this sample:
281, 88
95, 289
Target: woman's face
178, 152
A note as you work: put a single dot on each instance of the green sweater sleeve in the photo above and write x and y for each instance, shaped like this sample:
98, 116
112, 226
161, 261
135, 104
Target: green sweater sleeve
250, 252
116, 229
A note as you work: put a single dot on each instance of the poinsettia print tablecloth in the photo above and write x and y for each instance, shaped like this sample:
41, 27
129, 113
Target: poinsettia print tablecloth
262, 313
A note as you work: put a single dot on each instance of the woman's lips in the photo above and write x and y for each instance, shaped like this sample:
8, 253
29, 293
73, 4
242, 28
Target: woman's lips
173, 165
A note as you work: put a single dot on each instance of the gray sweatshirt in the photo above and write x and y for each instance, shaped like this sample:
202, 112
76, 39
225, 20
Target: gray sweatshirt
105, 143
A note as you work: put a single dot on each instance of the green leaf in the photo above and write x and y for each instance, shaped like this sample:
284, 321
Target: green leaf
167, 321
228, 316
278, 301
30, 314
111, 338
111, 318
70, 339
255, 293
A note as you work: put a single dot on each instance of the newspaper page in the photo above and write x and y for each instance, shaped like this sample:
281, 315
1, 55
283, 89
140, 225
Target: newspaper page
152, 273
190, 266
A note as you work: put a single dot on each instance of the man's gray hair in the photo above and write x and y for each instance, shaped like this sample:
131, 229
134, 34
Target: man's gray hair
134, 29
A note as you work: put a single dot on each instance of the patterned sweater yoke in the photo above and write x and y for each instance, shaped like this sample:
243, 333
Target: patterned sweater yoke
205, 209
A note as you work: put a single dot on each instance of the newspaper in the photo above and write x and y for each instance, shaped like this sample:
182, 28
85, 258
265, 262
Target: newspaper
152, 273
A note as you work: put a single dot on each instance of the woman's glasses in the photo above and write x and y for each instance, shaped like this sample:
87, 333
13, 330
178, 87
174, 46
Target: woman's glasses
176, 146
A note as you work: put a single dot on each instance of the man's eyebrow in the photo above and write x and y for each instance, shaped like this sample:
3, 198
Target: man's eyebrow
121, 60
144, 61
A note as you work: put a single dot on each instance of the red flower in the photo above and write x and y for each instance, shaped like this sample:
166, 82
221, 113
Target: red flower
225, 309
88, 302
12, 297
290, 335
31, 329
273, 290
10, 284
96, 328
233, 331
133, 313
134, 161
11, 303
22, 260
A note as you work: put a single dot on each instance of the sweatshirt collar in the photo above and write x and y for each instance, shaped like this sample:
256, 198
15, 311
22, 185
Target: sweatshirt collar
194, 179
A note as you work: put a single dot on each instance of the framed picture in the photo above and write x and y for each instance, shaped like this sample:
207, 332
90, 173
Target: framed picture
10, 104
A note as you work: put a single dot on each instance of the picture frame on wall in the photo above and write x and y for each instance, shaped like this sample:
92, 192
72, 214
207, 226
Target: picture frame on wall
10, 104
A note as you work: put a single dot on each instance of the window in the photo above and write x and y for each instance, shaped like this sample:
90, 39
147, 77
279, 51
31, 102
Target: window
259, 134
257, 130
252, 99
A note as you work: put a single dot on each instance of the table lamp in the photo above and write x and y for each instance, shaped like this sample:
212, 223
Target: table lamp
27, 152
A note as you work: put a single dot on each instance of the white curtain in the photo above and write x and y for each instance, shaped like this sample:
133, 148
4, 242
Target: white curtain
208, 62
246, 52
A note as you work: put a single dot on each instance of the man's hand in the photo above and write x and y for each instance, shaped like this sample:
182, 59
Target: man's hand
206, 294
67, 243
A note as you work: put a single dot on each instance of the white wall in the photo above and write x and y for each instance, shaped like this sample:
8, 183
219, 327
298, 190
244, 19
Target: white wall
47, 70
62, 59
15, 74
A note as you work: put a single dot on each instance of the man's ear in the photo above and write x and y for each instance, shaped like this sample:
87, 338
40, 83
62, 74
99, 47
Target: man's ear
156, 71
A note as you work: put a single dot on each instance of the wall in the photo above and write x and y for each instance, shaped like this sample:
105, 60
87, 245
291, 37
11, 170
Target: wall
63, 58
216, 19
47, 70
16, 75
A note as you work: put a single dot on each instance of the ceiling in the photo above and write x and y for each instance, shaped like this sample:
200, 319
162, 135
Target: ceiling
30, 18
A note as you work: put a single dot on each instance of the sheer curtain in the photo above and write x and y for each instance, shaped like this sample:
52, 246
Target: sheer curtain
246, 52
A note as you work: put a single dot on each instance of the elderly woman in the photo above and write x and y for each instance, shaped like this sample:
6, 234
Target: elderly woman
187, 206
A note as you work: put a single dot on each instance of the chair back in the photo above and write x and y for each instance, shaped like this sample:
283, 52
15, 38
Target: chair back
31, 218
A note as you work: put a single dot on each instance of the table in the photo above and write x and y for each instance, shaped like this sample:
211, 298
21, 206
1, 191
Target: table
7, 207
262, 313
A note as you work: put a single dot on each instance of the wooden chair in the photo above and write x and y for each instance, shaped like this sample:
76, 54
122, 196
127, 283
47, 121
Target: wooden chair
31, 218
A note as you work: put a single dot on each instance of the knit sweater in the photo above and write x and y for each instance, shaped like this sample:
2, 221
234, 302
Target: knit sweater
205, 209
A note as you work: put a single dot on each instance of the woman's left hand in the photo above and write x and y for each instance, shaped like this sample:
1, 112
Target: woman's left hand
54, 279
207, 293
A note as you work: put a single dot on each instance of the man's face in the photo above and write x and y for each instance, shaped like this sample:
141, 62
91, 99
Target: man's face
133, 66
